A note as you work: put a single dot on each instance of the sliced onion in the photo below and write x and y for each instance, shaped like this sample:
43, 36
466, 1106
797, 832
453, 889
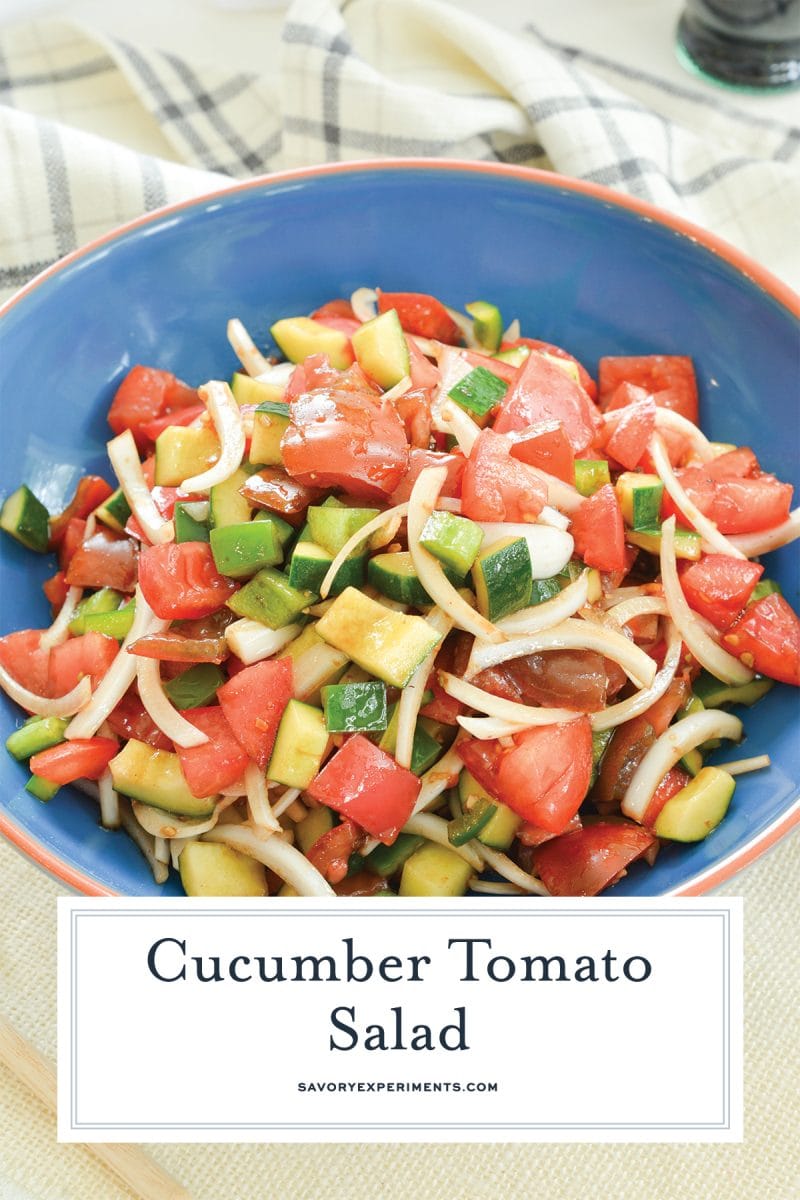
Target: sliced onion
665, 418
703, 646
439, 778
431, 575
227, 418
753, 544
252, 642
562, 496
487, 729
571, 634
277, 374
435, 830
497, 706
493, 887
197, 509
261, 813
625, 710
400, 388
170, 825
411, 696
617, 595
705, 527
43, 706
504, 866
314, 667
161, 850
667, 750
364, 303
640, 606
128, 469
453, 367
550, 549
460, 424
466, 326
285, 802
358, 537
386, 534
276, 854
109, 801
551, 516
59, 630
143, 840
512, 333
245, 348
428, 347
162, 712
120, 675
742, 766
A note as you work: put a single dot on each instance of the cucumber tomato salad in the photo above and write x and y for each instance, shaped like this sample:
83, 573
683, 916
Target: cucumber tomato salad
415, 606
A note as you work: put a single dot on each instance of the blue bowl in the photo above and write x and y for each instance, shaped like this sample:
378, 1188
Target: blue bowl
579, 265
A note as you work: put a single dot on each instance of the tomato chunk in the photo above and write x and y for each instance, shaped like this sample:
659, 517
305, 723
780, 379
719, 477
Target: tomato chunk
90, 492
368, 786
331, 853
631, 434
546, 446
586, 862
418, 460
580, 679
543, 777
423, 373
734, 503
22, 657
70, 541
584, 378
599, 531
544, 392
253, 702
273, 489
90, 654
181, 580
104, 560
144, 394
669, 378
767, 638
55, 589
674, 780
718, 586
82, 758
422, 315
334, 308
217, 764
632, 740
174, 646
497, 487
130, 719
184, 416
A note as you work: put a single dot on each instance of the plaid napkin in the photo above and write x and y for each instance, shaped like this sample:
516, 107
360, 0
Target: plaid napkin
97, 131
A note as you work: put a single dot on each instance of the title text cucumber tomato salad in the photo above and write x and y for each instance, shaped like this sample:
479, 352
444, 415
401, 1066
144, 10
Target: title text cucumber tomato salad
415, 606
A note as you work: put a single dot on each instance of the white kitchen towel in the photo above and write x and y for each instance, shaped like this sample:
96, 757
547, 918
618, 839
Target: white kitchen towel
94, 131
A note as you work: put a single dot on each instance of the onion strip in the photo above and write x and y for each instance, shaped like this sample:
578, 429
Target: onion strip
227, 418
640, 606
438, 779
551, 612
410, 701
145, 841
741, 766
245, 349
170, 825
512, 332
276, 854
753, 544
161, 710
705, 527
435, 830
355, 541
669, 748
400, 388
487, 729
615, 714
44, 706
364, 303
497, 706
59, 630
261, 813
504, 866
252, 642
286, 801
706, 650
461, 425
128, 469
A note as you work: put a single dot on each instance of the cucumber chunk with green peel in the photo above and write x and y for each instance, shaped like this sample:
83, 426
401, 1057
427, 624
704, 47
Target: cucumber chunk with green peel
285, 532
112, 624
247, 390
241, 550
692, 813
390, 645
187, 527
298, 337
155, 777
270, 598
308, 831
270, 422
26, 519
385, 860
764, 587
381, 349
195, 687
487, 324
692, 762
105, 600
590, 473
502, 577
355, 707
331, 527
688, 544
182, 451
394, 576
515, 357
454, 540
211, 869
714, 693
425, 750
543, 590
501, 828
35, 736
114, 512
300, 745
226, 504
600, 741
474, 817
434, 871
42, 789
640, 498
310, 564
479, 391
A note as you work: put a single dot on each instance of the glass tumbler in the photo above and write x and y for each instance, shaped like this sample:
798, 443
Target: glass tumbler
743, 43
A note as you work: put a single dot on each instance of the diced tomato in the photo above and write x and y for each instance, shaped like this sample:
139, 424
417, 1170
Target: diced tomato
543, 776
580, 679
220, 761
735, 504
442, 707
418, 460
497, 487
184, 416
316, 372
586, 862
766, 637
346, 325
368, 786
669, 378
130, 719
174, 646
599, 531
633, 739
533, 835
81, 758
585, 379
272, 488
496, 366
90, 654
23, 658
180, 580
543, 392
630, 435
422, 315
90, 492
363, 883
334, 308
253, 701
423, 373
674, 780
331, 853
70, 540
144, 394
414, 410
104, 560
55, 589
546, 446
165, 499
350, 440
718, 586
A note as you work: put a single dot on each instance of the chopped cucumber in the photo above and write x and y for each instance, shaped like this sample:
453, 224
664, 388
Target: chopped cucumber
455, 541
283, 529
487, 324
187, 529
434, 871
308, 831
227, 505
573, 570
381, 349
309, 565
114, 511
515, 357
475, 815
639, 498
688, 544
385, 860
543, 590
692, 762
42, 789
394, 576
300, 745
35, 736
300, 336
105, 600
390, 645
330, 527
764, 587
501, 829
714, 693
590, 474
155, 778
211, 869
195, 687
354, 707
182, 451
270, 422
241, 550
691, 814
425, 749
247, 390
270, 598
479, 391
600, 741
113, 624
503, 578
26, 519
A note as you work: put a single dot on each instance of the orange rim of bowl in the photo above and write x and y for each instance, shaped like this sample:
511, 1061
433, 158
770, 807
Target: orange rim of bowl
713, 876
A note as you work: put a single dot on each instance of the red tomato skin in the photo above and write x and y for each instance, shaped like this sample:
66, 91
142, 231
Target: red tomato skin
89, 654
350, 440
497, 487
674, 780
586, 381
22, 657
414, 410
423, 373
334, 308
534, 835
418, 460
144, 394
633, 739
55, 589
175, 647
330, 853
253, 702
586, 862
740, 463
273, 489
422, 315
70, 541
367, 785
546, 446
631, 435
130, 719
669, 378
104, 560
89, 493
81, 758
184, 416
217, 764
735, 504
599, 531
543, 392
718, 586
767, 638
543, 777
180, 581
